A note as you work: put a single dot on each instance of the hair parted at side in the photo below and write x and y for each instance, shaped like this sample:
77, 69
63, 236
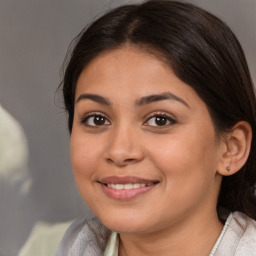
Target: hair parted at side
202, 51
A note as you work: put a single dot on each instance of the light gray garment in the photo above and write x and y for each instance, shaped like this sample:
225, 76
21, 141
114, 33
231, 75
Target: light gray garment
239, 238
84, 238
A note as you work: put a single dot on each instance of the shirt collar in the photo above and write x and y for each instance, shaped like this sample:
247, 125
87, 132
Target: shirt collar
113, 245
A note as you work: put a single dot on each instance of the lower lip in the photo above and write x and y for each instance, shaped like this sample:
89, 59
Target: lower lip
125, 194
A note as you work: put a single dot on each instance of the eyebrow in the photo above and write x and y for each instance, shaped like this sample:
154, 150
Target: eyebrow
140, 102
159, 97
94, 97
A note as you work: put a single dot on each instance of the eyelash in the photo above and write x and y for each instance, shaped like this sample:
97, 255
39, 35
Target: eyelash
163, 116
85, 119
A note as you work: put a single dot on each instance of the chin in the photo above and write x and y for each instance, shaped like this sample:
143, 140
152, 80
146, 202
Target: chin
125, 224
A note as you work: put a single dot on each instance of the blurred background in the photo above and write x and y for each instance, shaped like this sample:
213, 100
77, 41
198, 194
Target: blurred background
38, 185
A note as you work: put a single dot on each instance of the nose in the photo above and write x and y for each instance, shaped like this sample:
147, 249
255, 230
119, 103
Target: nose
124, 146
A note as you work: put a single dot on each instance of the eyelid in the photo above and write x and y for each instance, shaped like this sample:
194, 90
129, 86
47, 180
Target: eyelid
86, 116
172, 120
93, 113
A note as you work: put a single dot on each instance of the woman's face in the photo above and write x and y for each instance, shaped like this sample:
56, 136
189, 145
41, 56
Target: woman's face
143, 146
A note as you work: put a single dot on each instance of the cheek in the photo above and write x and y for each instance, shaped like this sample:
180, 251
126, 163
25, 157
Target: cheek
83, 157
187, 166
188, 155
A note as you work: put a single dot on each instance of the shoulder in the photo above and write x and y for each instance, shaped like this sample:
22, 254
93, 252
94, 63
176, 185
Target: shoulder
245, 229
84, 237
239, 238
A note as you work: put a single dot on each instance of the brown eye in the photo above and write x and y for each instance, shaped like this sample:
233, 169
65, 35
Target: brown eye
160, 120
99, 120
95, 120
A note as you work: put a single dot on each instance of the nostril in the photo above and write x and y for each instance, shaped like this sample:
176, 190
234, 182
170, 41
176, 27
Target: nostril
121, 161
109, 160
130, 160
123, 156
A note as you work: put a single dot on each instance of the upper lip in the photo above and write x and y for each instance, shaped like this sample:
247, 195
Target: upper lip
126, 180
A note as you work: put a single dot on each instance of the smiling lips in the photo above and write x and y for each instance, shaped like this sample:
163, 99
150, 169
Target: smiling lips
126, 188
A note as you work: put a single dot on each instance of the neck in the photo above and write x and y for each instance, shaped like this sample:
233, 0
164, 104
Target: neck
194, 236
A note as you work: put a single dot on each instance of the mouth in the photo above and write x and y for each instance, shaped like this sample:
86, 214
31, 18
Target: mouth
126, 188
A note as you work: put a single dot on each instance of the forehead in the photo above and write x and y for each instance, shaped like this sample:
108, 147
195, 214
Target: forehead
124, 60
132, 73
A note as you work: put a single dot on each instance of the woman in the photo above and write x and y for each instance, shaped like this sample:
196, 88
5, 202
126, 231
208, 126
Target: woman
162, 116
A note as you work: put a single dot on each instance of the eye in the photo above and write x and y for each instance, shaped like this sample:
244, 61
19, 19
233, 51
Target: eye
95, 120
160, 120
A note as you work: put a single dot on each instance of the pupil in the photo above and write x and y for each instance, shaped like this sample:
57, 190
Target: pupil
99, 120
160, 120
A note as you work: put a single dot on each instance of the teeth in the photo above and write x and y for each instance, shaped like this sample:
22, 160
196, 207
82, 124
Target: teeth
119, 186
126, 186
136, 185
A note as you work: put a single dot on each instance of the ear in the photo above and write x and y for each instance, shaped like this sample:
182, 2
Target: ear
235, 149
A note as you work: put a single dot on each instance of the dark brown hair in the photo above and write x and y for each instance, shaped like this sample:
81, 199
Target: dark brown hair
202, 51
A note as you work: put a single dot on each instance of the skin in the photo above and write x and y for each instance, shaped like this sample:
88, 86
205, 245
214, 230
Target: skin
178, 215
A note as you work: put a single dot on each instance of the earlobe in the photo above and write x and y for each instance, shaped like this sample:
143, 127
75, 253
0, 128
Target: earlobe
236, 149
